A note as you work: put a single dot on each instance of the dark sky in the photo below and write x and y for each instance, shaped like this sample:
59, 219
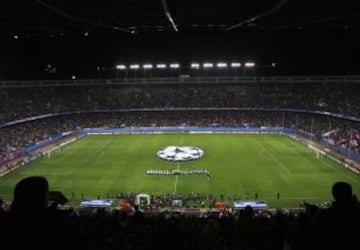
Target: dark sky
295, 53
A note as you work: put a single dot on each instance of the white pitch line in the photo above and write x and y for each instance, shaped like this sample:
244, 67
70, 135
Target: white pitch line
178, 166
175, 185
275, 159
321, 160
296, 151
176, 179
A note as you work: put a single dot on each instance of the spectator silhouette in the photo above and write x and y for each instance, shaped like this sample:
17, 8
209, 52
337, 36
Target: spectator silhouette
138, 216
32, 223
249, 232
30, 196
336, 226
2, 207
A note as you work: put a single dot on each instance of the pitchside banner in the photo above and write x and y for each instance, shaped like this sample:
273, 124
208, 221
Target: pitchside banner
96, 203
253, 204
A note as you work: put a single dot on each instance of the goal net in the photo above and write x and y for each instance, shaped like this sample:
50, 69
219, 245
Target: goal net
52, 150
318, 152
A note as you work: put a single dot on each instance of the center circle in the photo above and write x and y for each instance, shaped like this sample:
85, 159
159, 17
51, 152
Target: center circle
180, 153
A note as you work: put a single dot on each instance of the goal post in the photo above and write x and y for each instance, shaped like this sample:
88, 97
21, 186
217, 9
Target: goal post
319, 153
50, 151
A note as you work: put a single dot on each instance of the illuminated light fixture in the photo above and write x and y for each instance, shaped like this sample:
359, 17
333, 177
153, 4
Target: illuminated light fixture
121, 66
16, 37
273, 65
147, 66
134, 66
249, 65
221, 65
195, 65
235, 65
161, 66
174, 65
208, 65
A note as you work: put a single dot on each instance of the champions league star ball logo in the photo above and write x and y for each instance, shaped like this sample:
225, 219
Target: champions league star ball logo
180, 153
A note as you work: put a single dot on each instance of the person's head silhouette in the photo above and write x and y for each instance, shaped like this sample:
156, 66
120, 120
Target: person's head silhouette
31, 193
342, 191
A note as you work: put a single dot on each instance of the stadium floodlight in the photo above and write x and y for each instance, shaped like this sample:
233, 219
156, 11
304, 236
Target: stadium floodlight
208, 65
249, 64
235, 65
195, 66
161, 66
221, 65
121, 66
174, 66
147, 66
134, 66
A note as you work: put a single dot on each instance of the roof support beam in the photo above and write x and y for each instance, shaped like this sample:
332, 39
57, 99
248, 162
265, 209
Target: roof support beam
253, 19
168, 15
77, 19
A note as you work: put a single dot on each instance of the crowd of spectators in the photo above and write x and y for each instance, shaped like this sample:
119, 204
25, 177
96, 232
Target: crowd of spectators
32, 221
17, 103
24, 102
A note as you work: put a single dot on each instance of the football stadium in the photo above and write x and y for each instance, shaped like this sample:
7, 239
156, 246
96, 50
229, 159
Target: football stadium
212, 124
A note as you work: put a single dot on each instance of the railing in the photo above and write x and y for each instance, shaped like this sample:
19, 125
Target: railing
182, 80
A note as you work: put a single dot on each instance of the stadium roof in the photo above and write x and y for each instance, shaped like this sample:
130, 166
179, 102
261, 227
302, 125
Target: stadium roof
80, 37
78, 17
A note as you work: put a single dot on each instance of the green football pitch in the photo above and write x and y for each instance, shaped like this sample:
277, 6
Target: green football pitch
269, 167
